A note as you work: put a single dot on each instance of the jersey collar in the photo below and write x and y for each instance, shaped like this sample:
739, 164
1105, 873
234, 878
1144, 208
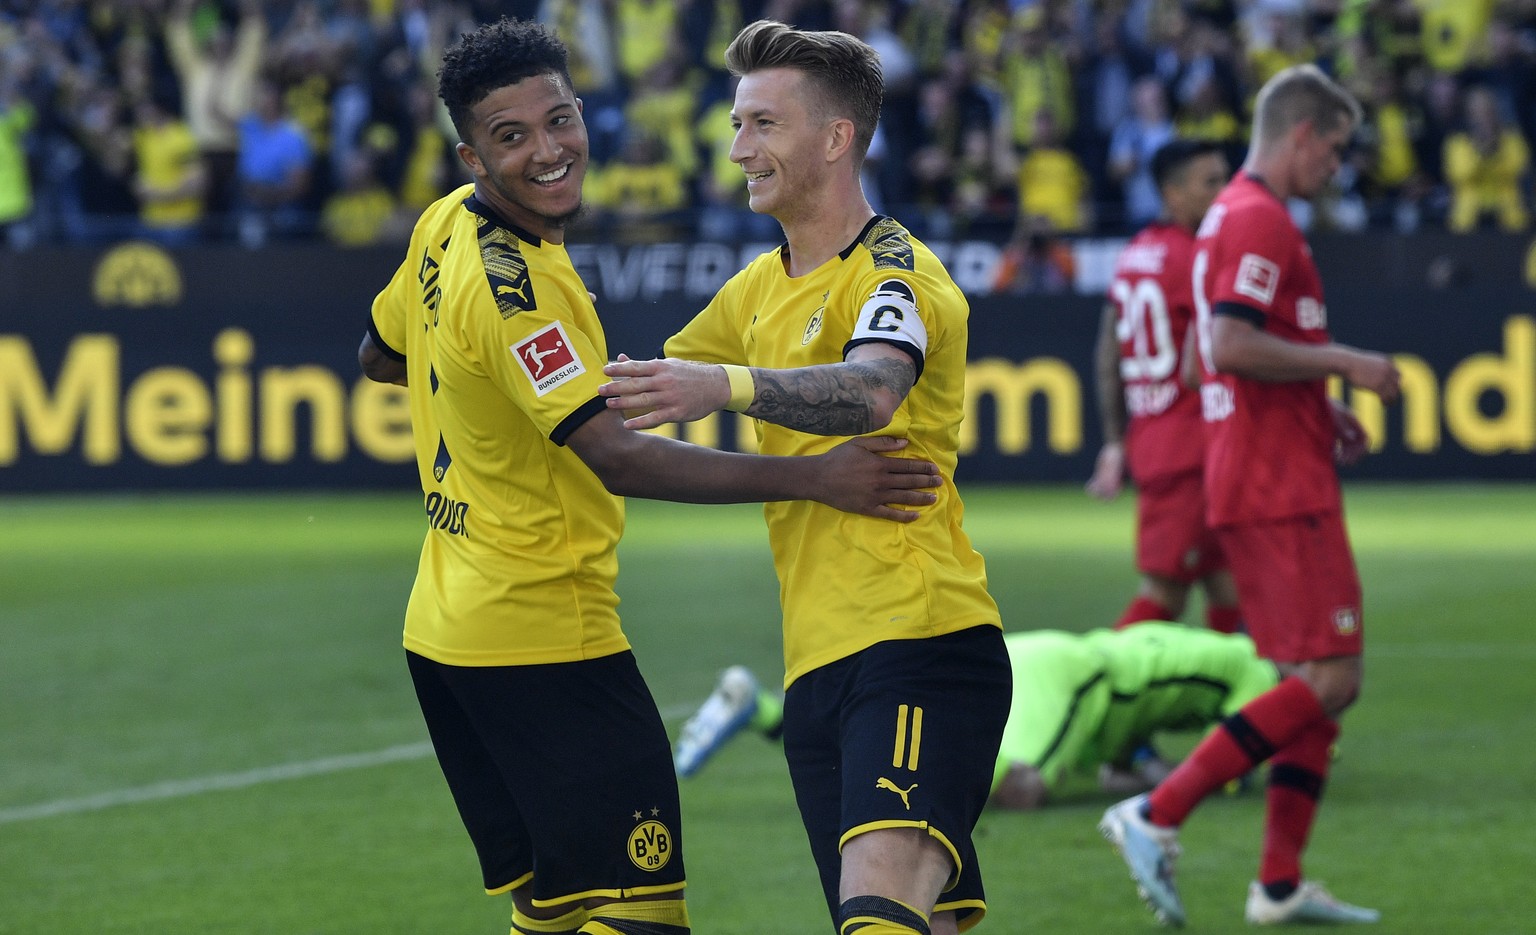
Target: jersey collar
480, 208
847, 251
1258, 180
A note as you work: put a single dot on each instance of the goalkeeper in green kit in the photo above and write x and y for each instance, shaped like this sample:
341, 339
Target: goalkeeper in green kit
1082, 703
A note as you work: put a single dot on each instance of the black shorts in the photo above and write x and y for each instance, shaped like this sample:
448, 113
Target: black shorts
902, 734
562, 774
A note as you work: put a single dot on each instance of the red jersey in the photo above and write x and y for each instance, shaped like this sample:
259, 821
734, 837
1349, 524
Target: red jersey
1269, 446
1153, 292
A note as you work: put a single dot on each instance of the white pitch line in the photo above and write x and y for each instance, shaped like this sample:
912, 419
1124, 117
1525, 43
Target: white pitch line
181, 788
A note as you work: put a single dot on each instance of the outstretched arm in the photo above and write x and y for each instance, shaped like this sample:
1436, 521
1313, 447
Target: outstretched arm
854, 397
855, 477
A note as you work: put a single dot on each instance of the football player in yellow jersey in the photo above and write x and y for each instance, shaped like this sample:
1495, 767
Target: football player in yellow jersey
547, 735
897, 679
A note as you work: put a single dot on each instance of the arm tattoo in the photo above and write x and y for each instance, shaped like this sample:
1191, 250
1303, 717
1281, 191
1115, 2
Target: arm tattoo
833, 399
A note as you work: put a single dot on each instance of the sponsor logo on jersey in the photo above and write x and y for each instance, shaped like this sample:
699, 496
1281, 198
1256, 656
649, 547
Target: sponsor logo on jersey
1346, 621
1257, 278
507, 272
1216, 402
1310, 313
650, 844
547, 358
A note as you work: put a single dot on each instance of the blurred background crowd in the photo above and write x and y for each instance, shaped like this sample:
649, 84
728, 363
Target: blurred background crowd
1028, 121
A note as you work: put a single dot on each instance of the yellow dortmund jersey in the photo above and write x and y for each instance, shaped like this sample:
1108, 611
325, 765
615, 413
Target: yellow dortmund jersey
167, 158
847, 582
504, 353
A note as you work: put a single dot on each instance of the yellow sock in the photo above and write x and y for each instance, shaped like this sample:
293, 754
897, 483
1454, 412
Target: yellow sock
568, 924
639, 917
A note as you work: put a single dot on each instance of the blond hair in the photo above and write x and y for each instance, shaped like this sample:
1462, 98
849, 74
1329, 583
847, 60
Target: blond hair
1299, 94
842, 71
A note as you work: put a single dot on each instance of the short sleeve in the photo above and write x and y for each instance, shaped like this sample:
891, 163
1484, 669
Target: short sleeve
545, 363
387, 323
1254, 253
714, 336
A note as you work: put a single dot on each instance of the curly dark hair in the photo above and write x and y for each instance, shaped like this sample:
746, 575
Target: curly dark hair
493, 56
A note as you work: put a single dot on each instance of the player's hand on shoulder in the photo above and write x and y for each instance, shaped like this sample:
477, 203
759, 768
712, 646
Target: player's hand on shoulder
858, 476
665, 390
1108, 472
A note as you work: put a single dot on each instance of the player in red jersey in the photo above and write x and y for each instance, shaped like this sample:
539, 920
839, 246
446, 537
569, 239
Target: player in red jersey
1150, 410
1273, 437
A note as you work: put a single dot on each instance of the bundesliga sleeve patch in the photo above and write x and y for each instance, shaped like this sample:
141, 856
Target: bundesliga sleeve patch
547, 358
1257, 278
890, 314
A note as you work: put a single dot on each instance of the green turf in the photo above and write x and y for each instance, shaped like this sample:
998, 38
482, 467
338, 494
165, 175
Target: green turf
152, 639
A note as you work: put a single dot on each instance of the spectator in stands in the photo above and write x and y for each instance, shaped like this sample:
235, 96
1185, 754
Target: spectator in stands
951, 165
1207, 115
96, 202
305, 60
1053, 185
721, 187
662, 109
1285, 43
362, 212
1453, 33
1386, 30
1394, 181
428, 169
1510, 73
1485, 166
644, 190
1140, 135
1105, 79
346, 67
274, 170
217, 71
1035, 77
169, 176
1035, 261
17, 117
644, 32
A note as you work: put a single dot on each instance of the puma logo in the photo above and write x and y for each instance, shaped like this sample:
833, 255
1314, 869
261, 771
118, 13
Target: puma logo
883, 783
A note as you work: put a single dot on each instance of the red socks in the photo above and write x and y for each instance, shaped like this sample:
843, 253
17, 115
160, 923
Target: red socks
1142, 608
1296, 777
1269, 723
1223, 619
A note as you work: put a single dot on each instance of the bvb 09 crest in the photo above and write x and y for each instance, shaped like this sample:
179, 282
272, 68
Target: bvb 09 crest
650, 845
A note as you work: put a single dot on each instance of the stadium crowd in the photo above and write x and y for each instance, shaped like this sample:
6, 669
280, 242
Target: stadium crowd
1031, 120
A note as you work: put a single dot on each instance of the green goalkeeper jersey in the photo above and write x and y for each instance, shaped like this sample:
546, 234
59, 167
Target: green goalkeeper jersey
1163, 676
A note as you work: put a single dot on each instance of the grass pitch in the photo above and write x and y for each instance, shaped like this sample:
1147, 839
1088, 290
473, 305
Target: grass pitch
206, 725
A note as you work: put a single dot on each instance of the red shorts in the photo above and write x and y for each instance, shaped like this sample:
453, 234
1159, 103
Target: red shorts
1172, 540
1297, 585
